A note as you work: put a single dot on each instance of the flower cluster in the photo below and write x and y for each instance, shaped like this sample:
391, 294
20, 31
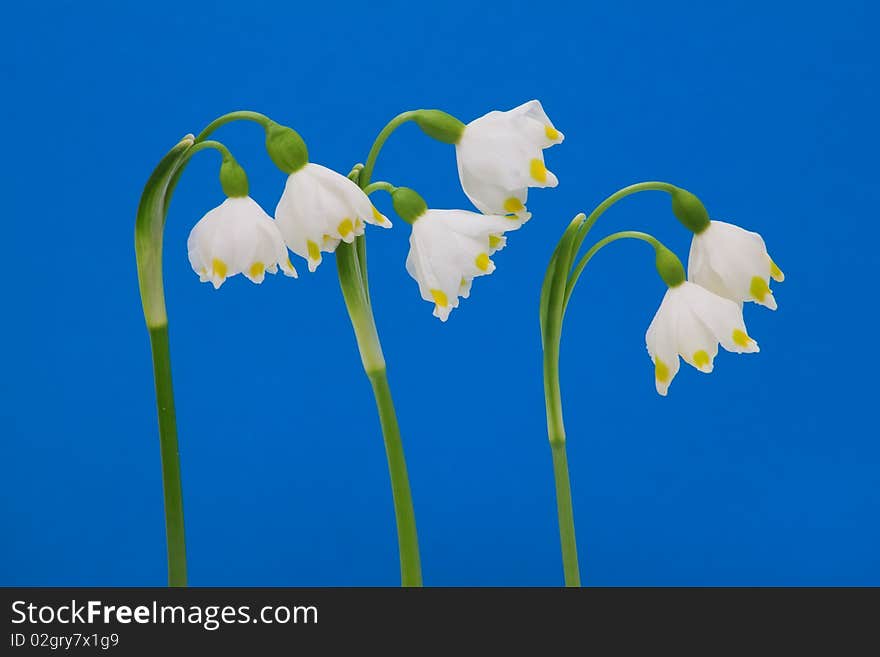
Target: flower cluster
726, 267
499, 157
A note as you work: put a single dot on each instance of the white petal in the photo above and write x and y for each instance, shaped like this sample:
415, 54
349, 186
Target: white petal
234, 238
722, 317
448, 249
499, 158
661, 342
733, 263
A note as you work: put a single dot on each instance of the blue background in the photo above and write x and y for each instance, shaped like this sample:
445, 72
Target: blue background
765, 472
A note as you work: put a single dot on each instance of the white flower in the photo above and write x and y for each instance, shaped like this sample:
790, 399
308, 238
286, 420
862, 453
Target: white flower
733, 263
237, 237
500, 156
449, 248
690, 322
320, 207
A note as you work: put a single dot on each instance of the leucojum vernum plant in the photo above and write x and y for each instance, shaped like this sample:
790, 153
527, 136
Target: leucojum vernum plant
727, 266
499, 156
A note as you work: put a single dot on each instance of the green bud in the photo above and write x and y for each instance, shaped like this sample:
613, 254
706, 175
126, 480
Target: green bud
669, 266
439, 125
690, 210
408, 204
286, 148
233, 179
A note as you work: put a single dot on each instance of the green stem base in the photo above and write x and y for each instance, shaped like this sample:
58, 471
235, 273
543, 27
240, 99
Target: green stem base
566, 515
407, 537
171, 486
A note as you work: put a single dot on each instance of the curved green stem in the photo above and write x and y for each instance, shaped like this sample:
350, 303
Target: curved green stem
393, 124
201, 146
149, 227
598, 246
241, 115
149, 230
559, 281
599, 210
379, 185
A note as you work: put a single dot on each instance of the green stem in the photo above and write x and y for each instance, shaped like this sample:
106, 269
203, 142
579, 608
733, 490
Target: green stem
354, 286
407, 537
149, 228
598, 246
393, 124
241, 115
651, 185
173, 492
379, 185
566, 515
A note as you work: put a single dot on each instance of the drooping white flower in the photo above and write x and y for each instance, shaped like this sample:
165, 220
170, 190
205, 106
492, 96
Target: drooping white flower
690, 323
237, 237
500, 155
734, 263
319, 208
449, 248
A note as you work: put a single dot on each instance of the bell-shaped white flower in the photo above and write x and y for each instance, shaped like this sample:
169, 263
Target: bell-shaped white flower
733, 263
449, 248
690, 323
237, 237
500, 155
319, 208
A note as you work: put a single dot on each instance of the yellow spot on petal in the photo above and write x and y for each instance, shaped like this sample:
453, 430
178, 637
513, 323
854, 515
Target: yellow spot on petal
314, 251
378, 216
289, 263
551, 132
538, 170
759, 289
701, 359
345, 227
776, 272
219, 267
741, 338
661, 371
494, 241
440, 298
482, 262
257, 269
513, 204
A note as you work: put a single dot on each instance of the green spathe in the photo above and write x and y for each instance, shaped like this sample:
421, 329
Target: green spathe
439, 125
286, 148
408, 204
689, 210
233, 179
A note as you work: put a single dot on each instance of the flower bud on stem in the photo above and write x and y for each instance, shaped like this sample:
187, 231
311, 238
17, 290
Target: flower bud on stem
408, 204
233, 179
286, 148
439, 125
690, 210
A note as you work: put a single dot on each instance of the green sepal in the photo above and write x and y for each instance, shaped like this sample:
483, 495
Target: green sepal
233, 179
669, 266
690, 210
408, 204
439, 125
286, 148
